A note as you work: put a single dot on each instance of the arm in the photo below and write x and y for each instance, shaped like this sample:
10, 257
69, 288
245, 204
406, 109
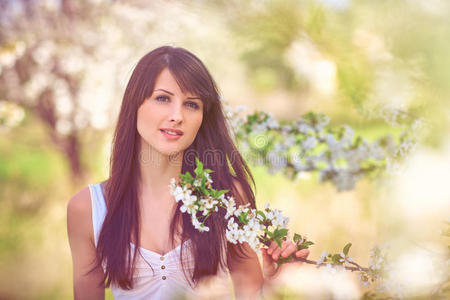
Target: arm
246, 273
247, 276
81, 240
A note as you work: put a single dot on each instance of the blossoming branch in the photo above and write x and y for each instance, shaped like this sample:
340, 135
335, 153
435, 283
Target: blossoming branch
258, 228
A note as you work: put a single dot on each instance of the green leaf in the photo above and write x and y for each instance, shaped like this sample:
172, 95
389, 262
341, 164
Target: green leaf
346, 248
203, 182
187, 177
297, 237
199, 169
283, 260
304, 245
221, 192
203, 190
278, 241
261, 214
335, 258
280, 232
242, 218
198, 163
308, 243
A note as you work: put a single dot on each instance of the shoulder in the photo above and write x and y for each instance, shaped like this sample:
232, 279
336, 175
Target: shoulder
79, 214
80, 203
242, 193
237, 185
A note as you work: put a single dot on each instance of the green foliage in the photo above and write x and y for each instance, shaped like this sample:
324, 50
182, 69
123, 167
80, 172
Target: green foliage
271, 30
347, 248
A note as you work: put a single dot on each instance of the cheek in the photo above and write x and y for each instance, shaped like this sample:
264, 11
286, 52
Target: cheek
197, 124
144, 122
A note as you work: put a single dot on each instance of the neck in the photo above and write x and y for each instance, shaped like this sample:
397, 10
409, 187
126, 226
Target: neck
156, 170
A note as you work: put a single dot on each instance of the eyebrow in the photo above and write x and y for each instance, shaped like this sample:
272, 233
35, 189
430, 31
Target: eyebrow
198, 98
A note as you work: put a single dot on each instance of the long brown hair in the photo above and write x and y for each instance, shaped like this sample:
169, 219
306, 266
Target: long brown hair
213, 145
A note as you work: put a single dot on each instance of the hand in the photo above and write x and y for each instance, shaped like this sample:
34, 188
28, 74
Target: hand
274, 252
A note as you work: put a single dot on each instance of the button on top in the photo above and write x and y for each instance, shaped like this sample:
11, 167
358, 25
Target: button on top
161, 258
164, 278
163, 267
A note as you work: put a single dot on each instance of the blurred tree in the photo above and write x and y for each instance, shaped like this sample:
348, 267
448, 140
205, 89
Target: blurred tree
45, 51
367, 54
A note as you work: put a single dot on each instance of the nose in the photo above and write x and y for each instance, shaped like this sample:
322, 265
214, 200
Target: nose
176, 114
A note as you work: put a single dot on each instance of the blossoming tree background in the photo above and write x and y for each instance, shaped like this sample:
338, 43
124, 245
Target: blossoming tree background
345, 126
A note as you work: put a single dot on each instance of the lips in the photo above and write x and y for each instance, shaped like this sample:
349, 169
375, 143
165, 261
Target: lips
172, 132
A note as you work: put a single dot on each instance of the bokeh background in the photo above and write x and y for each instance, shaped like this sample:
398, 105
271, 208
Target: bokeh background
64, 66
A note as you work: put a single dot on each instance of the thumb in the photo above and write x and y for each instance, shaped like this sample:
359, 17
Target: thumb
267, 259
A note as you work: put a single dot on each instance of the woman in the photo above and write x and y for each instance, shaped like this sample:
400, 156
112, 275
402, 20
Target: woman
128, 232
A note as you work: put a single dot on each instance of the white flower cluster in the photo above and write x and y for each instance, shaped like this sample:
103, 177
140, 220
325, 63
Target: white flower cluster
344, 259
252, 227
244, 223
377, 259
244, 233
191, 203
377, 266
276, 218
322, 258
342, 164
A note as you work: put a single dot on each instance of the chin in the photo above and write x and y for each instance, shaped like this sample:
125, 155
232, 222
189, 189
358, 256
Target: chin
170, 151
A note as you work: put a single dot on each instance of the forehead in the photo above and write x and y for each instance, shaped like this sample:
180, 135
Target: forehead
167, 81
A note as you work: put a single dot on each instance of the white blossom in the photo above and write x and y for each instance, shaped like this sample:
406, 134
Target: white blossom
189, 205
278, 219
208, 177
309, 143
230, 206
178, 193
208, 202
331, 141
197, 225
272, 123
304, 128
322, 258
241, 209
363, 280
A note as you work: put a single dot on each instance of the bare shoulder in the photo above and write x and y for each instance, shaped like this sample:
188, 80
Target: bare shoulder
79, 214
80, 204
238, 186
239, 192
88, 277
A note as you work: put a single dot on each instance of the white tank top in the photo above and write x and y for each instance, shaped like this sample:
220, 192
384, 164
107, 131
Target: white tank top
166, 280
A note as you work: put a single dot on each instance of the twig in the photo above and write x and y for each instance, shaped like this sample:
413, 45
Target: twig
312, 262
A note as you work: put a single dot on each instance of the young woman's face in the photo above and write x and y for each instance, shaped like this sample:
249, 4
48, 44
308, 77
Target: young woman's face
169, 119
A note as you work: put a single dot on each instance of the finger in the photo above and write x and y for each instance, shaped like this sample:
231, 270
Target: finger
268, 263
267, 259
276, 253
271, 248
288, 250
302, 253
